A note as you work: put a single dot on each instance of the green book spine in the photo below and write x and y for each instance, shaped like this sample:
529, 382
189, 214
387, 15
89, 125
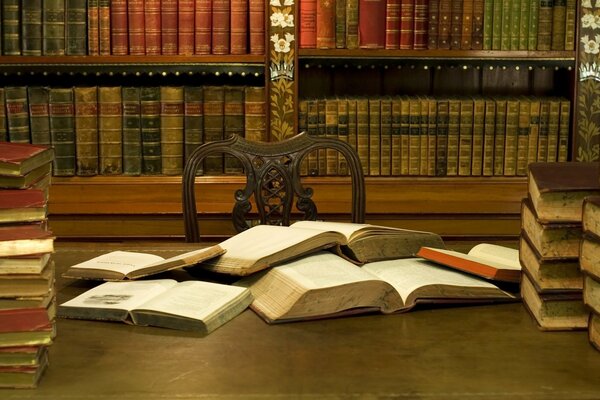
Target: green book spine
385, 158
499, 137
414, 132
150, 114
515, 24
488, 24
132, 133
340, 24
110, 130
489, 130
342, 113
39, 116
442, 137
3, 129
352, 24
405, 134
465, 137
525, 24
11, 27
559, 14
506, 25
62, 130
553, 122
193, 120
362, 133
86, 129
53, 27
564, 130
510, 141
544, 37
17, 114
570, 24
31, 25
76, 28
524, 124
396, 144
171, 129
534, 6
478, 136
214, 98
497, 24
233, 124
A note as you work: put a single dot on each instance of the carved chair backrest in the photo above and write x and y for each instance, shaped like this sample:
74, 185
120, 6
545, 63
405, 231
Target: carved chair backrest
273, 179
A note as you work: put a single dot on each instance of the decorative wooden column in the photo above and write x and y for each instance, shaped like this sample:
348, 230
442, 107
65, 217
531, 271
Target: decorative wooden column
281, 80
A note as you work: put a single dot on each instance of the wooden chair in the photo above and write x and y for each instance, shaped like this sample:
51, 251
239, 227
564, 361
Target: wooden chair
272, 177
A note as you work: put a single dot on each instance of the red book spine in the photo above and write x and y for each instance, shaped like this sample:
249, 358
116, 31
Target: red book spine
203, 26
407, 18
135, 13
392, 24
118, 27
168, 25
239, 27
185, 22
371, 24
308, 24
220, 26
256, 21
325, 24
420, 24
24, 320
152, 26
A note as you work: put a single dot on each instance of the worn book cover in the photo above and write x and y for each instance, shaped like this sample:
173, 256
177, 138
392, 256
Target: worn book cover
62, 130
110, 130
171, 129
86, 129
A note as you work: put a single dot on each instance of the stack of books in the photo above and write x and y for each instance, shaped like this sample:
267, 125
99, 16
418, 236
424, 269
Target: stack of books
551, 233
27, 295
590, 265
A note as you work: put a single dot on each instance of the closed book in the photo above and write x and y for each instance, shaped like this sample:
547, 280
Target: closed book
86, 129
392, 24
25, 239
414, 132
3, 127
171, 129
488, 24
36, 178
534, 7
466, 36
28, 285
233, 123
312, 117
331, 122
396, 143
76, 28
543, 143
478, 133
150, 115
255, 114
352, 139
62, 130
362, 133
26, 264
168, 27
110, 130
239, 27
93, 28
152, 27
465, 137
136, 27
553, 127
489, 132
433, 25
423, 136
18, 159
17, 206
442, 137
340, 24
507, 29
510, 141
570, 24
214, 98
302, 127
431, 136
220, 27
407, 24
308, 24
515, 24
453, 136
24, 319
445, 24
23, 356
420, 26
524, 24
478, 25
534, 130
132, 134
563, 130
17, 114
203, 27
39, 121
374, 137
500, 136
31, 23
497, 24
342, 131
523, 136
193, 119
352, 24
385, 133
559, 14
256, 26
322, 132
11, 27
53, 27
404, 135
104, 27
371, 30
185, 27
325, 24
545, 19
456, 24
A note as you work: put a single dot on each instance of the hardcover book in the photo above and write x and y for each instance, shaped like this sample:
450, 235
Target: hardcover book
256, 26
221, 27
110, 130
62, 130
86, 129
11, 27
18, 205
104, 27
214, 98
137, 28
53, 27
185, 27
152, 27
25, 239
233, 123
23, 376
325, 17
239, 27
171, 129
168, 27
203, 27
39, 114
132, 134
31, 23
255, 113
150, 115
76, 28
17, 114
193, 119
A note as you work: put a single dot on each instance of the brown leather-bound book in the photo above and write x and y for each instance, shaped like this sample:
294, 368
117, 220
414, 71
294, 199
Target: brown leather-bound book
478, 132
18, 206
433, 26
322, 131
563, 129
421, 22
171, 129
119, 42
352, 24
193, 135
203, 27
374, 137
76, 30
543, 145
214, 97
489, 132
423, 135
559, 15
104, 27
456, 24
185, 27
523, 136
467, 25
342, 131
511, 136
477, 32
407, 19
137, 31
325, 24
362, 133
553, 127
255, 113
110, 136
168, 27
152, 27
132, 135
534, 129
453, 136
150, 114
404, 134
396, 144
86, 129
465, 137
441, 149
500, 136
445, 24
570, 24
545, 17
308, 24
239, 27
414, 144
256, 26
19, 159
340, 24
331, 132
93, 28
53, 28
312, 118
31, 24
39, 121
62, 130
385, 137
233, 123
221, 27
392, 24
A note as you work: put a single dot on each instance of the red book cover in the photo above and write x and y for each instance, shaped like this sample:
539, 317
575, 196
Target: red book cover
16, 240
420, 24
407, 24
392, 24
135, 14
239, 27
152, 27
168, 25
203, 26
325, 24
16, 159
18, 198
220, 26
308, 24
371, 24
118, 28
185, 32
256, 22
25, 320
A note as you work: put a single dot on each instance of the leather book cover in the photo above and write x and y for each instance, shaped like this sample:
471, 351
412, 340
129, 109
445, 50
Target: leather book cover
31, 24
505, 36
374, 137
221, 10
421, 25
340, 24
76, 28
104, 27
62, 130
342, 131
150, 115
563, 129
544, 152
308, 24
110, 130
523, 136
39, 115
404, 135
559, 14
185, 27
445, 24
489, 132
214, 99
532, 32
407, 19
456, 24
433, 25
442, 138
193, 110
352, 24
497, 24
255, 113
331, 132
132, 134
385, 140
453, 136
312, 117
500, 137
414, 143
168, 27
467, 25
477, 30
325, 24
396, 145
515, 24
53, 27
570, 24
525, 24
256, 26
478, 132
3, 129
392, 24
233, 123
152, 26
11, 27
545, 18
17, 114
553, 130
93, 28
322, 131
239, 27
423, 135
86, 130
171, 129
510, 141
488, 24
203, 27
135, 15
534, 129
362, 133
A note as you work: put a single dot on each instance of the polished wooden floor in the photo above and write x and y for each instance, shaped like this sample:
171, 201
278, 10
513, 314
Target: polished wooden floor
469, 352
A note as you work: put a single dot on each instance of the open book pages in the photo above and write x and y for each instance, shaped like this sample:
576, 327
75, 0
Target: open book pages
119, 265
324, 284
190, 305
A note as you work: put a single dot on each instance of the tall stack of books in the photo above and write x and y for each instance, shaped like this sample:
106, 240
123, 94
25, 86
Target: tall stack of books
551, 232
590, 265
27, 295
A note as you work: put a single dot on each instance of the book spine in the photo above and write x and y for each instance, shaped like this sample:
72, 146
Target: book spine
255, 113
497, 24
104, 27
553, 118
500, 137
543, 144
396, 149
17, 114
445, 24
524, 25
137, 30
93, 28
404, 135
76, 28
414, 140
152, 24
488, 137
407, 21
256, 26
453, 136
545, 18
312, 117
62, 130
150, 115
534, 130
392, 24
420, 25
239, 27
385, 141
185, 27
510, 142
352, 124
331, 132
193, 119
203, 27
11, 27
171, 129
456, 24
466, 25
362, 133
523, 136
488, 24
3, 128
31, 20
220, 26
478, 24
110, 130
465, 137
53, 27
168, 28
132, 135
342, 112
563, 131
441, 155
570, 24
233, 123
434, 24
326, 24
534, 6
506, 25
340, 24
431, 137
374, 137
559, 13
214, 98
86, 130
322, 131
351, 24
308, 24
515, 24
423, 135
478, 133
39, 121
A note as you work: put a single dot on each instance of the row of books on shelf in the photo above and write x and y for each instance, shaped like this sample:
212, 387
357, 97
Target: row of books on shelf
27, 271
428, 136
130, 130
134, 27
438, 24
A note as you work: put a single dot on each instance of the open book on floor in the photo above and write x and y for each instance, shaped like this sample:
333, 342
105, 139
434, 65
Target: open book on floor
263, 246
121, 265
191, 305
489, 261
325, 285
